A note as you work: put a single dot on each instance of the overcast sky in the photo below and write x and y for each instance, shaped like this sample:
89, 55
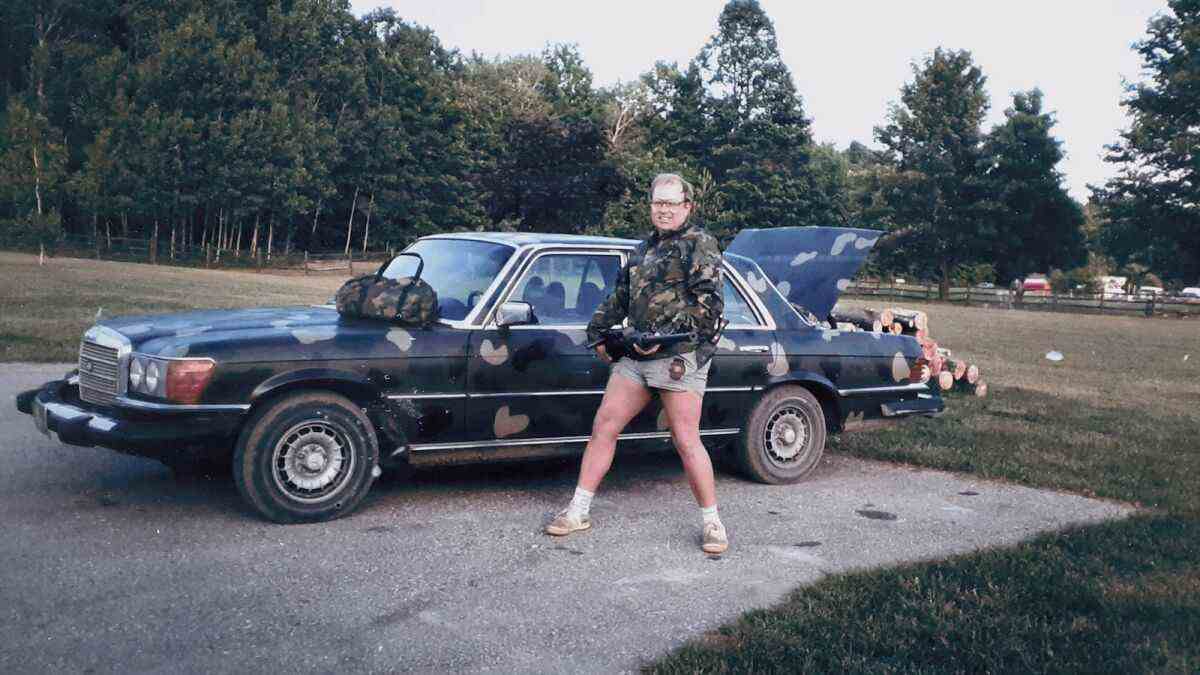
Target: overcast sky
848, 58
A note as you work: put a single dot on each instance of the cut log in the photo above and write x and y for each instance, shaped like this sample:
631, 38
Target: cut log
945, 380
896, 329
920, 371
877, 326
886, 318
928, 349
936, 365
956, 367
972, 374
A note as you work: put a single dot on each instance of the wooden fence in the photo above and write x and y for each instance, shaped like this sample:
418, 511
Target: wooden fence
1034, 300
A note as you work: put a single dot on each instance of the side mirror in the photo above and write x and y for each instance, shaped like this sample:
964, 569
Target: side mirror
514, 314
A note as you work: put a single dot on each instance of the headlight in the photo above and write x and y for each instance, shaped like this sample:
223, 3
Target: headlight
136, 370
177, 380
151, 377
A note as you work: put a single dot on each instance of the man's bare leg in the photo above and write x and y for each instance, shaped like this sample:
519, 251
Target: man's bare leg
623, 400
683, 413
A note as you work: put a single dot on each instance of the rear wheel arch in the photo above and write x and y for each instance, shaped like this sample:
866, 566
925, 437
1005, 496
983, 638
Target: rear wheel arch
825, 393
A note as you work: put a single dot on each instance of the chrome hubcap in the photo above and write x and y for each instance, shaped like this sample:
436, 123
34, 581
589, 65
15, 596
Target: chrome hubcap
312, 461
786, 434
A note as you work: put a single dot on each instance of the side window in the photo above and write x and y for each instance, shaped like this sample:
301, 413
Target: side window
737, 309
566, 288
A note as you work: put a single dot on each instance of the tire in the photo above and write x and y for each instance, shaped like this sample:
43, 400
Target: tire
785, 436
308, 457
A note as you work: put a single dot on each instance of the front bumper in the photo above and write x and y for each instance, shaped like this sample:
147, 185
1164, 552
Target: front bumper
161, 434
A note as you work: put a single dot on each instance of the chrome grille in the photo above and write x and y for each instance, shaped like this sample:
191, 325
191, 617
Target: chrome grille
99, 373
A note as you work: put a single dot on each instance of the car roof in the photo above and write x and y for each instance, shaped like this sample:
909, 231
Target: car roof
535, 238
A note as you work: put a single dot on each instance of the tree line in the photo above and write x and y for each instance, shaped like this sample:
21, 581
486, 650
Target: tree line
289, 125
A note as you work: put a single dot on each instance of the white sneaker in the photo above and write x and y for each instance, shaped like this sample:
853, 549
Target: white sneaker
564, 523
715, 539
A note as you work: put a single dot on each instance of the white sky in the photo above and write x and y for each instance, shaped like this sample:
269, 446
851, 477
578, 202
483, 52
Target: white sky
848, 58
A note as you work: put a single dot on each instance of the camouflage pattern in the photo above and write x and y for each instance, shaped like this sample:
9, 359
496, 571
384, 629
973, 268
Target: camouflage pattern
671, 284
810, 266
406, 301
466, 393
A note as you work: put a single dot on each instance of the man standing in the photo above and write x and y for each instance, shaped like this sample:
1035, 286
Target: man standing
671, 284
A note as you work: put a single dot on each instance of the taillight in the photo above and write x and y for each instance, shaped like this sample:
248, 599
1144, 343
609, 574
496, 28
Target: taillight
187, 379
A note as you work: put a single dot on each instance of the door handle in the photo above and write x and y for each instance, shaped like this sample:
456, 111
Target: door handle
754, 348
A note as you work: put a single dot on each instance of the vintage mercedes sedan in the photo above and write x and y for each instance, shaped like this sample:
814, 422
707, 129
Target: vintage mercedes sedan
309, 406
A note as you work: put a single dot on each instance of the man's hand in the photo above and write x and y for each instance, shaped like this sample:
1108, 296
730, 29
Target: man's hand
646, 352
603, 353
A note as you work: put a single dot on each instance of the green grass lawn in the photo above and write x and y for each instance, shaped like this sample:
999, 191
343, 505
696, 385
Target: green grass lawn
45, 309
1118, 417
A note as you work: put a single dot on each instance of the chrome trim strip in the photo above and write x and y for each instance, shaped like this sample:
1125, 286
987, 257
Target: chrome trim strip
572, 392
138, 404
879, 390
502, 394
426, 447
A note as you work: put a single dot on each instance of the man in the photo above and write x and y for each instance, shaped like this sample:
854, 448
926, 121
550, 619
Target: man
671, 284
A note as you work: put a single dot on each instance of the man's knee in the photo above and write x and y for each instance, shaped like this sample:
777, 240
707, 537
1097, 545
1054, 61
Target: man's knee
689, 449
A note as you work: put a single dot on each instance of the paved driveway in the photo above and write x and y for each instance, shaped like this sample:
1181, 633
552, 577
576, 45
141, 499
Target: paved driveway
110, 564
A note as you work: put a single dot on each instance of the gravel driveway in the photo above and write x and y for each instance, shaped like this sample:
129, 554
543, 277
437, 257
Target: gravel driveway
113, 565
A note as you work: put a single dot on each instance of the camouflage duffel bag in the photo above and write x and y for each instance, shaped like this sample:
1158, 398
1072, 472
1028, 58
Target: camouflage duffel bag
406, 301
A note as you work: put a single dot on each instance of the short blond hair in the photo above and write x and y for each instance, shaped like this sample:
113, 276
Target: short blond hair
672, 178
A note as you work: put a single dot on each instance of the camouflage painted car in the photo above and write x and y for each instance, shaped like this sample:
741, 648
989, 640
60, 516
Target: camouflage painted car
309, 406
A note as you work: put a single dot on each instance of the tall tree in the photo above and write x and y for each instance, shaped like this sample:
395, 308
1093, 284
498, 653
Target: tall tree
1040, 226
933, 140
759, 142
1152, 207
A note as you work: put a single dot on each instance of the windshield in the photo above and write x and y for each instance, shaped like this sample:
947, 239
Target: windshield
459, 270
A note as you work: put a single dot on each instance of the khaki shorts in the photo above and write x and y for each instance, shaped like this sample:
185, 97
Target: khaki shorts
656, 373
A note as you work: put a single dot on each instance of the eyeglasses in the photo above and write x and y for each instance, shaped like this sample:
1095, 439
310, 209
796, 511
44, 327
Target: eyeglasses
669, 205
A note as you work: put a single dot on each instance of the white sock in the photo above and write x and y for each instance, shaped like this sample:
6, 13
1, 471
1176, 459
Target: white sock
581, 503
709, 514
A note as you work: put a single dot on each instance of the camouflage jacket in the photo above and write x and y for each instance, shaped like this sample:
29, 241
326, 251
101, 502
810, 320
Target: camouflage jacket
671, 284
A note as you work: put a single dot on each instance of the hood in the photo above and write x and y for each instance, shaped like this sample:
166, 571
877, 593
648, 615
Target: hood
810, 266
171, 334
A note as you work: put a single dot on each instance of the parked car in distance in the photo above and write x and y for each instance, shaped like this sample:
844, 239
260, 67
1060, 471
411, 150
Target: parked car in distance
1190, 293
1149, 292
308, 406
1035, 283
985, 284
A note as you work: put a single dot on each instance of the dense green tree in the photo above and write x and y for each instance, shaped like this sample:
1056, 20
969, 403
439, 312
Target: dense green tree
940, 209
1040, 226
1152, 207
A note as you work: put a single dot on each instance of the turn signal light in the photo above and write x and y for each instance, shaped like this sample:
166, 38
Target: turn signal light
186, 379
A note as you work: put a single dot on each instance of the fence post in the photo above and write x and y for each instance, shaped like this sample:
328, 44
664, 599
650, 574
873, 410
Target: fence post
350, 260
306, 263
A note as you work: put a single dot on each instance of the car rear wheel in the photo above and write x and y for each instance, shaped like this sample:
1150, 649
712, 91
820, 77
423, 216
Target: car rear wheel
785, 436
307, 457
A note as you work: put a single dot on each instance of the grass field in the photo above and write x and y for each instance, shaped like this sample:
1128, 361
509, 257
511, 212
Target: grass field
44, 310
1118, 417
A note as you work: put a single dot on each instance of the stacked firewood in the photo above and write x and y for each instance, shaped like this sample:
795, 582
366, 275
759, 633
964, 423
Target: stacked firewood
950, 372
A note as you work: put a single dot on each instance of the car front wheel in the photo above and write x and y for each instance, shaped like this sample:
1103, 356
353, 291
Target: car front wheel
785, 436
307, 457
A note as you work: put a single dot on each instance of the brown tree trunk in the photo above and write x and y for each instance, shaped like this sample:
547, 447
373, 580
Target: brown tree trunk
270, 236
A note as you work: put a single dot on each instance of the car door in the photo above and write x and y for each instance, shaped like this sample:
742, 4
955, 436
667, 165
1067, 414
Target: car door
737, 367
539, 382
